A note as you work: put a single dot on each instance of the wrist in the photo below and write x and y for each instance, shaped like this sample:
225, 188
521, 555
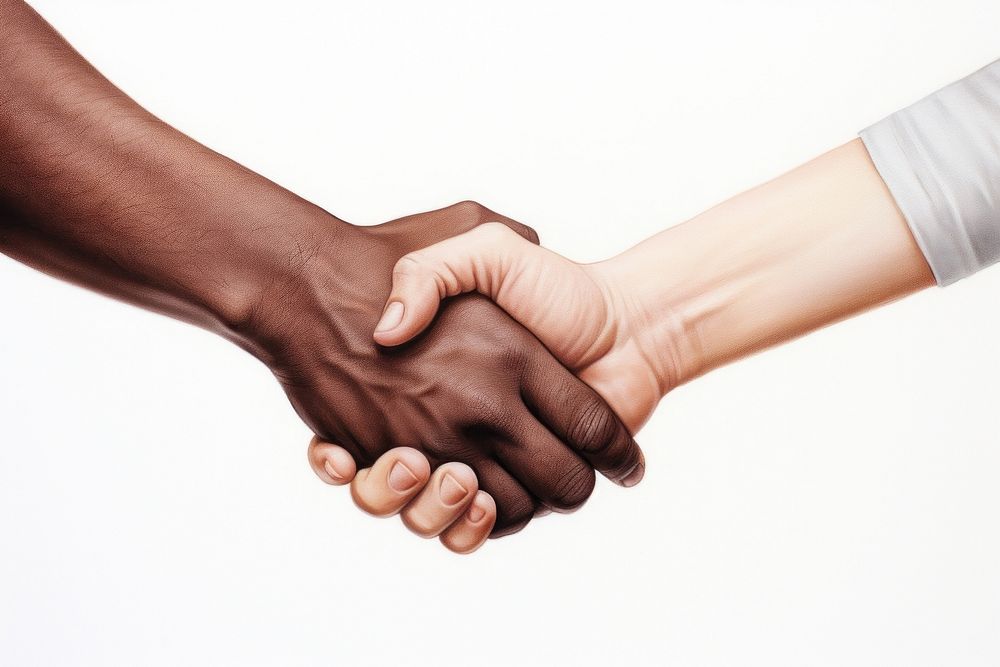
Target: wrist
812, 247
713, 289
279, 270
656, 323
238, 244
696, 295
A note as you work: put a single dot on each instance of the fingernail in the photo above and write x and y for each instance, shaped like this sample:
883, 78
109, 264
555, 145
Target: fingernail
331, 471
401, 478
476, 513
634, 477
391, 318
451, 491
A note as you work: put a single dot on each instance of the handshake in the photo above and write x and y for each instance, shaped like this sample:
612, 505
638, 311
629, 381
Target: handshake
522, 406
445, 341
450, 341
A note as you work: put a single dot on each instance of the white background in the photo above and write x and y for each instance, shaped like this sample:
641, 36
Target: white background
833, 502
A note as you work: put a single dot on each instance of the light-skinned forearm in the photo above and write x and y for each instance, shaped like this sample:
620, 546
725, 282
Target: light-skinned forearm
814, 246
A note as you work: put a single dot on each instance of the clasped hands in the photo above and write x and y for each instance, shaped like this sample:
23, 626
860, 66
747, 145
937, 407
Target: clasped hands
392, 341
821, 243
114, 199
458, 385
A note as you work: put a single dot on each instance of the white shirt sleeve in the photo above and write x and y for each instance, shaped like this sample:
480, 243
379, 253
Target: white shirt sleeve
940, 159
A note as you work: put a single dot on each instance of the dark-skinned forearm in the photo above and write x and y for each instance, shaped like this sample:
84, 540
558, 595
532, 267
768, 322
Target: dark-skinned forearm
96, 190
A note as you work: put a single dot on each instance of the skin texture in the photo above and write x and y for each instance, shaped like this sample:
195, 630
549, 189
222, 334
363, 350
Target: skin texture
384, 490
95, 190
579, 315
507, 412
819, 244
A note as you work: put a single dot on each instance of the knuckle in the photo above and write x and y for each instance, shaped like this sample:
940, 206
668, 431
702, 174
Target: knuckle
411, 264
470, 209
442, 448
593, 430
515, 348
573, 489
491, 415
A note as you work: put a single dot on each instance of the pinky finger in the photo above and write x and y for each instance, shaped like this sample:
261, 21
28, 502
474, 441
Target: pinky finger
332, 463
471, 530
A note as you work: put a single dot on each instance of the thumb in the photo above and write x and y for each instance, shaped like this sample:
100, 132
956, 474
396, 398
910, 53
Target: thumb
476, 261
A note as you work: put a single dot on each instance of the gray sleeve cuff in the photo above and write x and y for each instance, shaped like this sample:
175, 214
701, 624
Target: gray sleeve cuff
940, 159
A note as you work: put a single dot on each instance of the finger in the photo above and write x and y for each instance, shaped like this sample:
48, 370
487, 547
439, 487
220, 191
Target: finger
514, 505
445, 498
332, 463
397, 476
478, 260
551, 471
470, 531
581, 418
